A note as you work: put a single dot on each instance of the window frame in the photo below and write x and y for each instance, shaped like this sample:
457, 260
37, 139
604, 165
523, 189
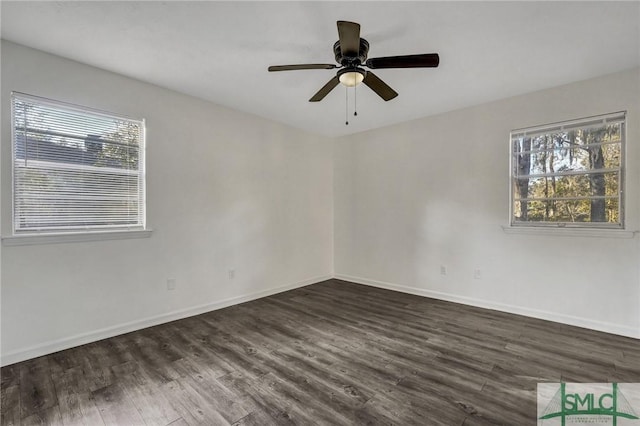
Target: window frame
87, 232
549, 128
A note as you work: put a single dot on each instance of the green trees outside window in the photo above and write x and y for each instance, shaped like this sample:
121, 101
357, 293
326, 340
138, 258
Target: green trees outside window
569, 174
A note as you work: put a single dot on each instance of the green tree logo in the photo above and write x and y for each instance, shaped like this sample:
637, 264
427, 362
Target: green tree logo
587, 407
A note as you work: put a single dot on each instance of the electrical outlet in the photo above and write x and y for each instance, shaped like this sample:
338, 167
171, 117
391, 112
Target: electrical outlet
443, 270
171, 284
477, 274
232, 274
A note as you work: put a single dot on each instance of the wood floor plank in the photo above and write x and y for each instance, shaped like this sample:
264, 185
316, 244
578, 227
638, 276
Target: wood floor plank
67, 384
152, 404
226, 347
37, 391
46, 416
320, 392
205, 382
502, 405
10, 375
115, 406
179, 422
193, 406
388, 410
59, 362
256, 418
90, 412
10, 413
285, 402
329, 353
196, 351
147, 351
262, 397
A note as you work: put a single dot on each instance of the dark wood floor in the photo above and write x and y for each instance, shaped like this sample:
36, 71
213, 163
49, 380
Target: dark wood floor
331, 353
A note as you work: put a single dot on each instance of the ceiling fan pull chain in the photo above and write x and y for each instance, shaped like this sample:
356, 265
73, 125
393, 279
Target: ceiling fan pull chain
355, 100
346, 106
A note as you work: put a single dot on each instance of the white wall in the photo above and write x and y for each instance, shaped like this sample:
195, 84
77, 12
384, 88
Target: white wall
411, 197
225, 190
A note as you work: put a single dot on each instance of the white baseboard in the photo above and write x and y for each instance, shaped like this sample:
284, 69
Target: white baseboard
93, 336
622, 330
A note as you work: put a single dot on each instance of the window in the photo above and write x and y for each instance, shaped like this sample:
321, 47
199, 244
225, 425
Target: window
569, 174
75, 170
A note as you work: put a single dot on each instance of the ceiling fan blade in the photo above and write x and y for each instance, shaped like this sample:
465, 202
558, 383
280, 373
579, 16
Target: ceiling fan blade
379, 86
325, 90
349, 34
302, 67
427, 60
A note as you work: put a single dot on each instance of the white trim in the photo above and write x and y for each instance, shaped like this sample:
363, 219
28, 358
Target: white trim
591, 121
78, 237
607, 327
570, 231
104, 333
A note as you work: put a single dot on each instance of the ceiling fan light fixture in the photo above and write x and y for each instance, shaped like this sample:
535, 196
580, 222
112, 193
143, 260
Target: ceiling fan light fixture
351, 77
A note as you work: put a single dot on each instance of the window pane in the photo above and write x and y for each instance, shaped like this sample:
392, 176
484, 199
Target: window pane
75, 168
89, 151
567, 186
612, 210
569, 175
568, 159
568, 211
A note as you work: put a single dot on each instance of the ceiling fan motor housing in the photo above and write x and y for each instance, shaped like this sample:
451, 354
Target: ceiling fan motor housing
351, 59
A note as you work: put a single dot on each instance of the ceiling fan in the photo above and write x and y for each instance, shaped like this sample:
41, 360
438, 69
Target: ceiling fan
351, 53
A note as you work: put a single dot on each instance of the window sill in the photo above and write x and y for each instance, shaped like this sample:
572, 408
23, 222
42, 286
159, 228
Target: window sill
33, 239
569, 232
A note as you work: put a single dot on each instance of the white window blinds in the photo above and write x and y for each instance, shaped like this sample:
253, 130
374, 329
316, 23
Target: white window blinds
75, 169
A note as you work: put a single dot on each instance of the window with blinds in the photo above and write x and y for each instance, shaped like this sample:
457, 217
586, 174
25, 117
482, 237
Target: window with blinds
75, 169
569, 174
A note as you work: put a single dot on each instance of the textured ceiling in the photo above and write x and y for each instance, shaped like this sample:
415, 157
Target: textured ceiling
220, 51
